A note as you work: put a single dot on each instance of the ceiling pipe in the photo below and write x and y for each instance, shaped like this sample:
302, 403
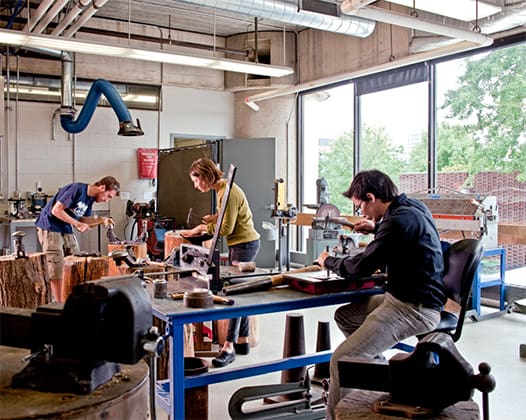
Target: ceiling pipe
458, 47
78, 8
41, 11
49, 16
88, 14
289, 13
414, 22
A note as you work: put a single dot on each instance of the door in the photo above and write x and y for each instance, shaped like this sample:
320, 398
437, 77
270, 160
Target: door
256, 170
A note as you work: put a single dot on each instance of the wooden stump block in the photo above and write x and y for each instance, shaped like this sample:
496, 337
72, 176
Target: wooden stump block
172, 240
358, 405
24, 282
78, 270
139, 249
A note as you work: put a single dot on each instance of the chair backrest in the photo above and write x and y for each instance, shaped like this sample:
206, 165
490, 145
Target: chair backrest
461, 262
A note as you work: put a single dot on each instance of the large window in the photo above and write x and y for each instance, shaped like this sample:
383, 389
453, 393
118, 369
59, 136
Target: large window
476, 145
394, 130
328, 144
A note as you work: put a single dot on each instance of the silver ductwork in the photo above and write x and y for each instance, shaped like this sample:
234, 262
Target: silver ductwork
289, 13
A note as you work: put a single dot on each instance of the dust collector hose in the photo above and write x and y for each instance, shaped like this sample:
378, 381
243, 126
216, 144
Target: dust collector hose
99, 87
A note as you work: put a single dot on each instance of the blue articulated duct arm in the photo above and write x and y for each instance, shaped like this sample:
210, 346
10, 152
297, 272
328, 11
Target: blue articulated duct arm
99, 87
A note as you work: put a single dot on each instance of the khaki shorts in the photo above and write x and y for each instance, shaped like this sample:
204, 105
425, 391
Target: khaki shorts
56, 246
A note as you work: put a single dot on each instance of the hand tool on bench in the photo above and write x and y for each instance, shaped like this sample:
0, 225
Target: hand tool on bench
265, 282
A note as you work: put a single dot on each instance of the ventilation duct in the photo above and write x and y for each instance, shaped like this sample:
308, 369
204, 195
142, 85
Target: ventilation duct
99, 87
290, 13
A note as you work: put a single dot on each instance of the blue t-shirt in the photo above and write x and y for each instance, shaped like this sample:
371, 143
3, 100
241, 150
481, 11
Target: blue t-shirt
77, 204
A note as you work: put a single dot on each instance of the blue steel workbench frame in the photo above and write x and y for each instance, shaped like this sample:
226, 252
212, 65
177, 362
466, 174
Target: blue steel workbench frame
171, 393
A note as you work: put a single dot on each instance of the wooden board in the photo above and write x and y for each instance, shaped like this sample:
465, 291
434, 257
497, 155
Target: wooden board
24, 282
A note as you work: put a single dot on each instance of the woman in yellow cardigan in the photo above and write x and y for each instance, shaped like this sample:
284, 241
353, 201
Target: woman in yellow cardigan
241, 237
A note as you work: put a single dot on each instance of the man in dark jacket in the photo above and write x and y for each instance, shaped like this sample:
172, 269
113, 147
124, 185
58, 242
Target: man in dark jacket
406, 244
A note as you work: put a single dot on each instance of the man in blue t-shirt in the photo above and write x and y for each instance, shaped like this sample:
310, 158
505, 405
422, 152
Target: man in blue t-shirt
70, 208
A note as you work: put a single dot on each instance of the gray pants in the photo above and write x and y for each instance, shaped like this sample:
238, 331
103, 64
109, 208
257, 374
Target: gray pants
372, 326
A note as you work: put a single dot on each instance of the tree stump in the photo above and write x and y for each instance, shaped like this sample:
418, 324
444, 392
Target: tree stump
24, 282
78, 270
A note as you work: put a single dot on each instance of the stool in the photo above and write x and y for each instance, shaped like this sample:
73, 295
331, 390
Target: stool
358, 405
480, 282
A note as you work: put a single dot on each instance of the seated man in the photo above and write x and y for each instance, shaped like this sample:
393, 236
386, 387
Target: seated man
407, 244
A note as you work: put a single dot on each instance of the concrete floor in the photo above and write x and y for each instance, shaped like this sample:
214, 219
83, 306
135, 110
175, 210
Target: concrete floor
495, 340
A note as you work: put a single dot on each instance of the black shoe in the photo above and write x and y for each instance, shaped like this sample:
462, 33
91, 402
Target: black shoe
242, 348
223, 358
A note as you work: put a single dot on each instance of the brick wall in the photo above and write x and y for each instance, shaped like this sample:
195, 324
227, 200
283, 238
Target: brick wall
510, 193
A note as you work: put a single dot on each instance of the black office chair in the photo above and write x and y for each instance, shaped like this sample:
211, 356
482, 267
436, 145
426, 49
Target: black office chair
461, 260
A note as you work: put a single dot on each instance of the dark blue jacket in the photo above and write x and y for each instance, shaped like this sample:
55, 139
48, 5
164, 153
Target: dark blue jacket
407, 245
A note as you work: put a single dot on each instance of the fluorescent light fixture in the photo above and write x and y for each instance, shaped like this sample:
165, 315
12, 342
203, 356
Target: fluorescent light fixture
23, 39
252, 105
457, 9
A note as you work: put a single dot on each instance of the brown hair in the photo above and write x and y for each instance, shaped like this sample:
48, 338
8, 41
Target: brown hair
110, 183
374, 182
206, 169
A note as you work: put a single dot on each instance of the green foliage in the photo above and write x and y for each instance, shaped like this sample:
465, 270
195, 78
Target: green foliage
490, 103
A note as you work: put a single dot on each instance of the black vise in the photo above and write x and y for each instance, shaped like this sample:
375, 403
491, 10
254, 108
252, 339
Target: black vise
77, 347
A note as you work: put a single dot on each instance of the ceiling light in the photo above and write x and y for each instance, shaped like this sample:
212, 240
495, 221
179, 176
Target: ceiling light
23, 39
457, 9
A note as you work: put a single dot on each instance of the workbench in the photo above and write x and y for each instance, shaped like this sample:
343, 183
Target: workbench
171, 392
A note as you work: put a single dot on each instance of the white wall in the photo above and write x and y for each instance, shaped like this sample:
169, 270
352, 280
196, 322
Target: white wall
28, 154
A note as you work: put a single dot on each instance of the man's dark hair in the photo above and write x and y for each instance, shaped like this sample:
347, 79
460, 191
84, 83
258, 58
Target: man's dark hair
110, 183
374, 182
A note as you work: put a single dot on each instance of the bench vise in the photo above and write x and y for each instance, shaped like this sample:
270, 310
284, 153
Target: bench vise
424, 382
78, 345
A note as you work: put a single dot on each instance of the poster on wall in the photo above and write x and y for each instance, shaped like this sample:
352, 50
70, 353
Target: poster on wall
147, 160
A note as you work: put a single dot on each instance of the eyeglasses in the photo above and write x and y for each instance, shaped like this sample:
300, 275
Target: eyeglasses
358, 208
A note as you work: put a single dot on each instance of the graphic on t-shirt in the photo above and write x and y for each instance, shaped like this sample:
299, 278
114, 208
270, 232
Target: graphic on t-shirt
80, 209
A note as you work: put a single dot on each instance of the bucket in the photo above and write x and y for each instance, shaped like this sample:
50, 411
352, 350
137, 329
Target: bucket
196, 399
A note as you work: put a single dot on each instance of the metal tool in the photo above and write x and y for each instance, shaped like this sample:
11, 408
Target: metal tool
77, 347
110, 234
294, 409
421, 383
20, 251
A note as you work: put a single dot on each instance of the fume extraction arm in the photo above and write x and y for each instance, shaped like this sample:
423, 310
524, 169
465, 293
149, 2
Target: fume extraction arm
99, 87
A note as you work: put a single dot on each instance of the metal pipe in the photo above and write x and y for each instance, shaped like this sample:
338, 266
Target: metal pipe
95, 6
41, 11
414, 22
49, 16
285, 12
77, 9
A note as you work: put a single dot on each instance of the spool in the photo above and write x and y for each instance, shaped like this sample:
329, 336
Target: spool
198, 298
125, 396
294, 345
323, 342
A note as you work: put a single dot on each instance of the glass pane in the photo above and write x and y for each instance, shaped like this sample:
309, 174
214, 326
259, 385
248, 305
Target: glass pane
394, 132
482, 137
328, 144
